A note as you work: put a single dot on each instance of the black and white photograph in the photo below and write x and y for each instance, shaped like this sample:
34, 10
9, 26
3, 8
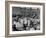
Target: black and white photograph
25, 18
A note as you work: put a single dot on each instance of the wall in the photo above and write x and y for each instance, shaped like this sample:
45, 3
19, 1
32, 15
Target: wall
2, 19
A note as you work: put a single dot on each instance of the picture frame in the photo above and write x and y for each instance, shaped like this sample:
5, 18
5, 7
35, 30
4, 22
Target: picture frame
15, 5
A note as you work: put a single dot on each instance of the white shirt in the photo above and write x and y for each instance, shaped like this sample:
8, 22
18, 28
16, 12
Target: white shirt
21, 20
28, 22
25, 21
19, 25
31, 28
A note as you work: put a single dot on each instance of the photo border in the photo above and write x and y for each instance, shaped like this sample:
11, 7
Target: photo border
7, 3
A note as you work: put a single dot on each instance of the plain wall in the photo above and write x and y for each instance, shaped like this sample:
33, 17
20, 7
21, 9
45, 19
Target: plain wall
2, 19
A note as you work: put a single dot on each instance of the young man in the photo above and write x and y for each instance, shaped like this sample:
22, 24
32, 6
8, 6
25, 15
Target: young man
25, 23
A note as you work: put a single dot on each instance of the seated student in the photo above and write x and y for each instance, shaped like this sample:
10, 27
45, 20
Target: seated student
25, 23
31, 26
21, 20
38, 27
19, 25
16, 18
28, 25
14, 28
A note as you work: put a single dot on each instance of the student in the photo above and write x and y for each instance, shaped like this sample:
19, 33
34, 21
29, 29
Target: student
28, 25
25, 23
14, 27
